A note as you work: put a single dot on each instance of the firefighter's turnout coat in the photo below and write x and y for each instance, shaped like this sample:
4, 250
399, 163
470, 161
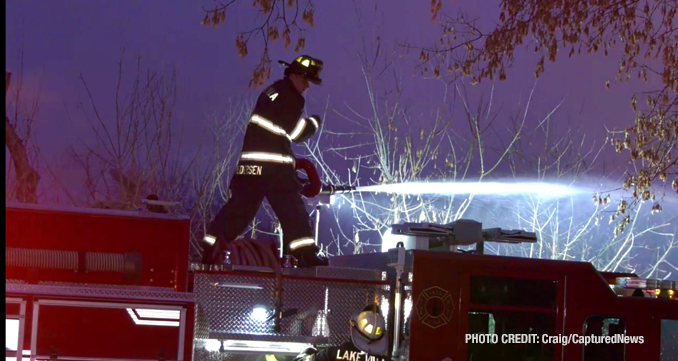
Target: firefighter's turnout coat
276, 122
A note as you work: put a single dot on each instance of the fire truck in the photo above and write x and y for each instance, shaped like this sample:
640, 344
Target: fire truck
101, 284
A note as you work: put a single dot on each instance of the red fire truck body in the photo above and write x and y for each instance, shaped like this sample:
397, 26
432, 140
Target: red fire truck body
77, 278
117, 285
544, 298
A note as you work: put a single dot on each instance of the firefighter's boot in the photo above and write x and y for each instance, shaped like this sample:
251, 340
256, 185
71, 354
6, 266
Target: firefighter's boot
308, 257
207, 252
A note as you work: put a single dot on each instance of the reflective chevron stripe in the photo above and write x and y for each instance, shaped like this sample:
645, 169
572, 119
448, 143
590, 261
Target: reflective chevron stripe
301, 242
314, 121
301, 124
271, 127
268, 125
267, 157
209, 239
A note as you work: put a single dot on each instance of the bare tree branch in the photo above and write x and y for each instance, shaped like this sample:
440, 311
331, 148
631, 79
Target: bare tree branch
279, 20
25, 186
647, 35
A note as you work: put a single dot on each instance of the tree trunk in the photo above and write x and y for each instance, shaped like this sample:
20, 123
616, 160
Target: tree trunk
27, 178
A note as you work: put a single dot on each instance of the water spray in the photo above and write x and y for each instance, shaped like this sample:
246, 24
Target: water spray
314, 187
493, 188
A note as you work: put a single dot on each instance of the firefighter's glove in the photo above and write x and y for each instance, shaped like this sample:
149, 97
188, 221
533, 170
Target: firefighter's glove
307, 355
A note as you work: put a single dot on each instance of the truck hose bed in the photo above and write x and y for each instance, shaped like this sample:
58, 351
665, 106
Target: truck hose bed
250, 252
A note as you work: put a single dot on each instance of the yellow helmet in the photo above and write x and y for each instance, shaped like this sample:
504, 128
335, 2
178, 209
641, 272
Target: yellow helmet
368, 331
306, 66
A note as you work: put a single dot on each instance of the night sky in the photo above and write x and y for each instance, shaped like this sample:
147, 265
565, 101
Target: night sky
60, 40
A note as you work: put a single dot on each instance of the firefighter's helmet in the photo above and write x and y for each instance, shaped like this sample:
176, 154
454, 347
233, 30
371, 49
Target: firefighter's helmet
306, 66
368, 331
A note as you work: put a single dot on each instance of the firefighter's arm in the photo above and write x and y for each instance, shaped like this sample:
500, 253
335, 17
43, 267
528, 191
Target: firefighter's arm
305, 128
289, 110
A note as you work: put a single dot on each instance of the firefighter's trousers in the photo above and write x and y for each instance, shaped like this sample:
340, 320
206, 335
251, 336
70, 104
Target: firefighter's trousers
248, 188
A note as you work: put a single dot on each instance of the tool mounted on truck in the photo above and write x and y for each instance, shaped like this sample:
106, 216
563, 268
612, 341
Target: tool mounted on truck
463, 232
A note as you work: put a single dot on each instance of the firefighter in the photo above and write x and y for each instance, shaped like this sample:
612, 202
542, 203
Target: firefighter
266, 168
368, 341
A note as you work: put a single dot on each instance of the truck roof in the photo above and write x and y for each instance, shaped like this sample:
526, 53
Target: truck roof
87, 210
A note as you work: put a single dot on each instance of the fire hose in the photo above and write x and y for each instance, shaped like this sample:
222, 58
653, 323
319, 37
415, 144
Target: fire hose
313, 187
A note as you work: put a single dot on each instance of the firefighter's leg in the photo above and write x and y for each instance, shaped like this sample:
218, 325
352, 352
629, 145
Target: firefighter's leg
246, 195
298, 239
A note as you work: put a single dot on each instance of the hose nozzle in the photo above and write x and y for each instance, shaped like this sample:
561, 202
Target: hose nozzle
332, 189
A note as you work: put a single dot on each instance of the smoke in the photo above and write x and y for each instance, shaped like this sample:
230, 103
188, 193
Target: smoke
542, 189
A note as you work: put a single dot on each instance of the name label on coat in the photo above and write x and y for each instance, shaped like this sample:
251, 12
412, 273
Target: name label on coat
249, 169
